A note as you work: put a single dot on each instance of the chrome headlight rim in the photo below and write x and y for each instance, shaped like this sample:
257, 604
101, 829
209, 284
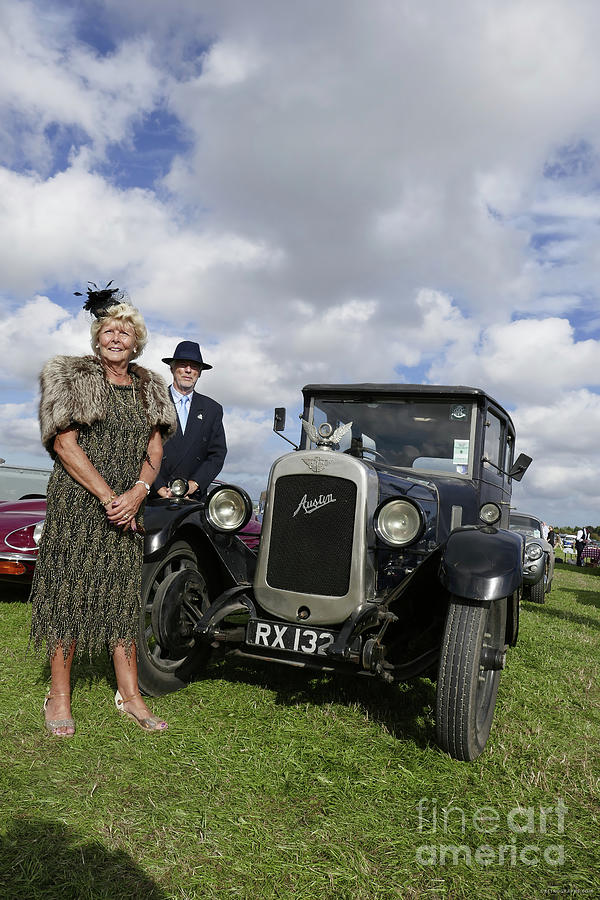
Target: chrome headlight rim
490, 513
533, 551
233, 494
380, 526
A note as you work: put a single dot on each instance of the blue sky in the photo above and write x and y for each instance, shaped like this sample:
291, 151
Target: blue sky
315, 192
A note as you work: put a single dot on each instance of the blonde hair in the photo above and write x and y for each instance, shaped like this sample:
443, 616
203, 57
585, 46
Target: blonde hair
126, 314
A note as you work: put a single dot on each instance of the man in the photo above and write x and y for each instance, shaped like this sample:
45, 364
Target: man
581, 539
197, 451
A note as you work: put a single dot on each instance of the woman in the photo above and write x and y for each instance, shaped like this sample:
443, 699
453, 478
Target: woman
103, 420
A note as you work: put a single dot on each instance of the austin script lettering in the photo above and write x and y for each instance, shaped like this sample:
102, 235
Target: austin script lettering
311, 506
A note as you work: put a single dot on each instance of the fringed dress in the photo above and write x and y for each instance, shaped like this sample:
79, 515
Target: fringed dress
87, 580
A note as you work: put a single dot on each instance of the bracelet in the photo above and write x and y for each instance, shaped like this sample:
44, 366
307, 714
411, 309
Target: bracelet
112, 497
145, 483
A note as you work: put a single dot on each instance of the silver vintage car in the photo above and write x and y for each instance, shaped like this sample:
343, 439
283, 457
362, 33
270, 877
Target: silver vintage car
538, 570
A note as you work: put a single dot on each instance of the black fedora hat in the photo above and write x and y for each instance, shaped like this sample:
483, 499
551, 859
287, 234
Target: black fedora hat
187, 350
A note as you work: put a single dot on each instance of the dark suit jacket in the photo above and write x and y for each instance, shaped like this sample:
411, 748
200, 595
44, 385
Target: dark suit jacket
199, 454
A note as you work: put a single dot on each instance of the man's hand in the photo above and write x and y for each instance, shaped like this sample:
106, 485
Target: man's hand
164, 492
193, 487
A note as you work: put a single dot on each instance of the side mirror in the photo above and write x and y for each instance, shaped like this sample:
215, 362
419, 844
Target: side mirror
279, 419
279, 424
519, 467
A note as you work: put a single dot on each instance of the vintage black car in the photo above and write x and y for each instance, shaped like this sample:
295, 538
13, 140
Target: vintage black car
538, 570
385, 550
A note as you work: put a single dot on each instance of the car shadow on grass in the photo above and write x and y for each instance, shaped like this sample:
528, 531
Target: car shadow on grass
405, 709
587, 598
545, 610
47, 859
14, 593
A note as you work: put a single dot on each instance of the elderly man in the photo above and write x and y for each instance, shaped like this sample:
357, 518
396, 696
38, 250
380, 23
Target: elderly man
197, 451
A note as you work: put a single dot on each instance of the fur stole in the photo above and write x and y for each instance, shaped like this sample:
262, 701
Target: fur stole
74, 391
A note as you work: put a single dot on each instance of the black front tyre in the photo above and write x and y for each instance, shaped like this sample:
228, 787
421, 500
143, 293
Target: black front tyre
472, 655
169, 666
537, 592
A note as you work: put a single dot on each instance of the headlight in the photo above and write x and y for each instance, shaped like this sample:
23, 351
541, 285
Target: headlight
533, 551
398, 522
26, 538
179, 487
228, 508
490, 513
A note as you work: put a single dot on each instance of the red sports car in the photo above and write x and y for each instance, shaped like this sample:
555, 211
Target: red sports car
22, 513
21, 523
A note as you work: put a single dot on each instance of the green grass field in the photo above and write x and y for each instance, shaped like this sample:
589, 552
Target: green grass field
274, 783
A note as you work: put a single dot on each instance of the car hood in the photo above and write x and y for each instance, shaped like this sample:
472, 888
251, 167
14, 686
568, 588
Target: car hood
534, 540
20, 513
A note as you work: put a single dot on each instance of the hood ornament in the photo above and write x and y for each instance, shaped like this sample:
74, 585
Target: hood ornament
325, 437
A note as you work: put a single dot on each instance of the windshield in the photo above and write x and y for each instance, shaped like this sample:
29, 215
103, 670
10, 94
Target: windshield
526, 525
17, 483
429, 435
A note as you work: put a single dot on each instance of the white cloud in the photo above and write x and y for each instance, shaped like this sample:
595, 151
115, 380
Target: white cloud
80, 226
529, 359
562, 438
34, 332
249, 446
50, 79
228, 63
20, 431
76, 223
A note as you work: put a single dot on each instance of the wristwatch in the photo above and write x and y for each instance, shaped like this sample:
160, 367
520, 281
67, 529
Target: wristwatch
145, 483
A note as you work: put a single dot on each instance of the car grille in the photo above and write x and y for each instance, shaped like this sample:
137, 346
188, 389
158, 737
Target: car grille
311, 537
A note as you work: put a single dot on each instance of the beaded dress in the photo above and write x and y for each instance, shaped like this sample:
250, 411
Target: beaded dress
86, 583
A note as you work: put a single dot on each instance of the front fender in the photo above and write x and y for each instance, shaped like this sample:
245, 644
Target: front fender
534, 571
167, 520
482, 564
162, 518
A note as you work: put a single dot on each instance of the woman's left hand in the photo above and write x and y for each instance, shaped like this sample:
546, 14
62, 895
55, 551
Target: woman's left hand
123, 509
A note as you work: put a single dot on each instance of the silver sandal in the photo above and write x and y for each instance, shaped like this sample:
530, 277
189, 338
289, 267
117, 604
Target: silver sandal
53, 724
148, 723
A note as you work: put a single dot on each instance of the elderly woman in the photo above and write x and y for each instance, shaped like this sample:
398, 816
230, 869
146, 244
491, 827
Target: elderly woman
103, 420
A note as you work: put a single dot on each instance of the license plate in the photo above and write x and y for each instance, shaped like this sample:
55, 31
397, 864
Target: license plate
282, 636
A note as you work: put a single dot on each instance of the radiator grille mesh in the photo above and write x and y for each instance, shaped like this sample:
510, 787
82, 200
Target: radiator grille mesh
311, 536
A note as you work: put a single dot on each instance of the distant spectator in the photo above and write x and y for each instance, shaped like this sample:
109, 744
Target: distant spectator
552, 536
545, 531
581, 539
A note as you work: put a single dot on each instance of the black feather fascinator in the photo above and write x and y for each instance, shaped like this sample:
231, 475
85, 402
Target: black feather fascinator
100, 300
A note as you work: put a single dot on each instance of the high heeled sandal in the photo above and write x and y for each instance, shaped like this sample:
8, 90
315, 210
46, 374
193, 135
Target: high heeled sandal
148, 723
53, 724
